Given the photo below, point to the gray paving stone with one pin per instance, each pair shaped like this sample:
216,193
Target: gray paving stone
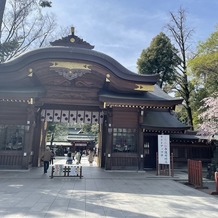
101,194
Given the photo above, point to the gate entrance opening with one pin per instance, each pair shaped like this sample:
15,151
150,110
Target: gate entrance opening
73,130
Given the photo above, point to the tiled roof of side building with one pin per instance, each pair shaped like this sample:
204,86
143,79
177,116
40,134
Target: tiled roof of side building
162,120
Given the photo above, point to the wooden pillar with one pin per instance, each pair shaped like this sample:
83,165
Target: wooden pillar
29,130
99,154
37,140
140,141
109,136
141,149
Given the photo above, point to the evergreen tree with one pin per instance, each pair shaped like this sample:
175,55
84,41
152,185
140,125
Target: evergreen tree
160,58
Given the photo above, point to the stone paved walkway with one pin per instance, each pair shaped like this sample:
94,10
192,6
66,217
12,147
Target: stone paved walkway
101,193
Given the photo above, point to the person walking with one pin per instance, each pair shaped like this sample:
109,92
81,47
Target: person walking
69,157
52,157
78,157
46,157
73,149
91,156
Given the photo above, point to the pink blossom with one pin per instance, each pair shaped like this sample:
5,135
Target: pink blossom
209,116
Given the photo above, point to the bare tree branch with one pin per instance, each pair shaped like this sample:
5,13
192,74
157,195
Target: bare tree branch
24,27
181,35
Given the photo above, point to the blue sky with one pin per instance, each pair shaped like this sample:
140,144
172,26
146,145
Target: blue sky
123,28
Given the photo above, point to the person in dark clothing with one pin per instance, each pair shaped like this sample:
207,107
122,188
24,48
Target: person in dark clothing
69,157
81,154
52,158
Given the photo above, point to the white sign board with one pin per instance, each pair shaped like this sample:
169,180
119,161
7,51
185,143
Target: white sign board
163,149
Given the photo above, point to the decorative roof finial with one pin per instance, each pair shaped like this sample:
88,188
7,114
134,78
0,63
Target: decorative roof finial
72,31
72,41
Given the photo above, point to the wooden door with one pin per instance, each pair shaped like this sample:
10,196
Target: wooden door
150,150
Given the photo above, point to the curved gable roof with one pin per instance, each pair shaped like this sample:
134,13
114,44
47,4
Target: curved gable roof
73,54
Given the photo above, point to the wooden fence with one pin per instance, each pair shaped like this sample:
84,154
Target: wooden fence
216,180
195,176
11,160
216,183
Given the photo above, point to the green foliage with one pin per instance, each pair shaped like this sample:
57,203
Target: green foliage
204,72
182,110
181,113
90,128
204,65
44,4
7,48
160,58
86,128
60,130
51,127
196,103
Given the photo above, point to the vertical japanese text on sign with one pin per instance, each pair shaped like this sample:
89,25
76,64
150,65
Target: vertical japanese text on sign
163,149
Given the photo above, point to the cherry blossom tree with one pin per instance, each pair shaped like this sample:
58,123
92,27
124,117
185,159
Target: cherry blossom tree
209,115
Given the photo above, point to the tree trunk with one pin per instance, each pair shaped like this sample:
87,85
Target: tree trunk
181,34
